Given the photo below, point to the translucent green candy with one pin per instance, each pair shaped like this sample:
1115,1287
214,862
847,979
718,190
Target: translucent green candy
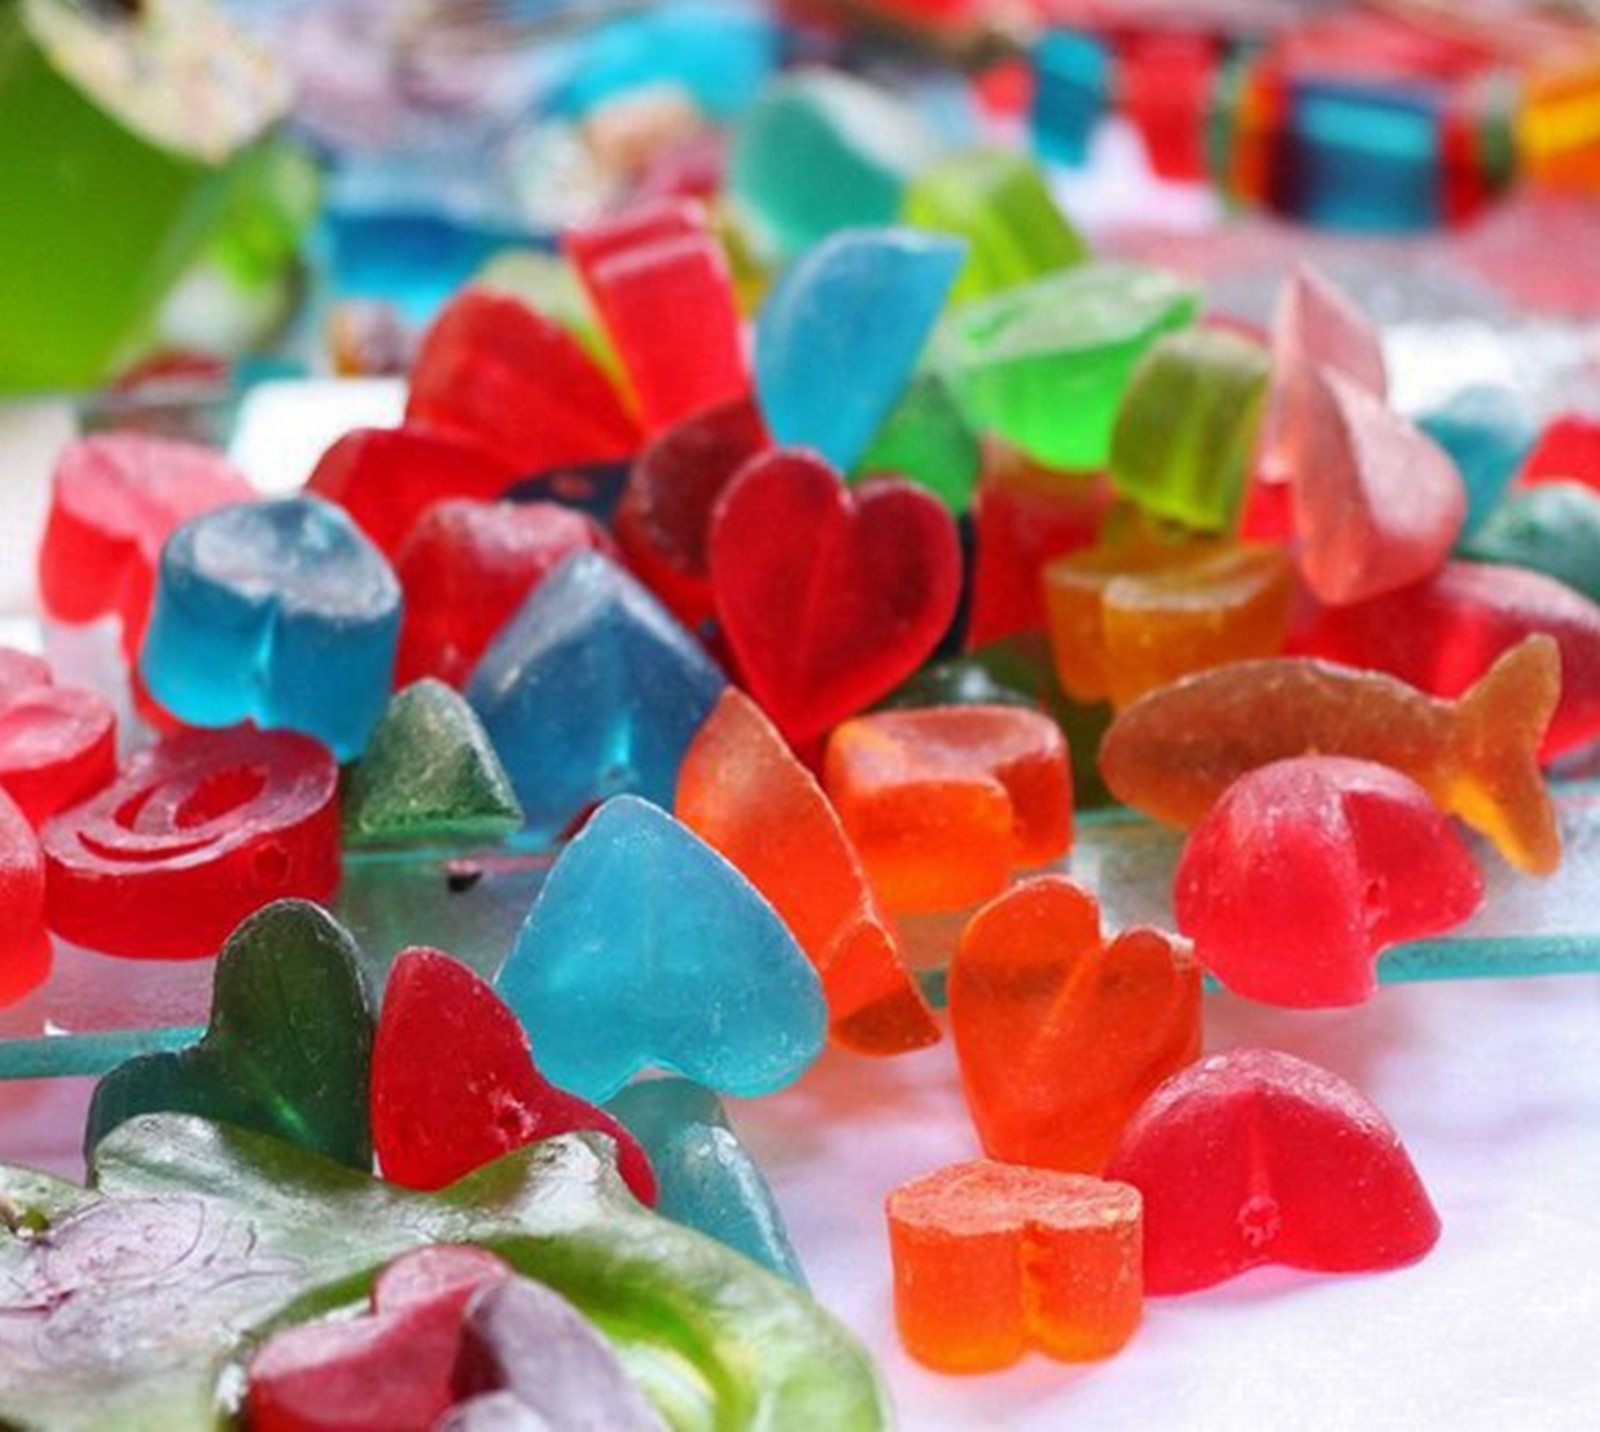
999,203
429,774
1044,365
1552,527
822,152
927,440
1182,444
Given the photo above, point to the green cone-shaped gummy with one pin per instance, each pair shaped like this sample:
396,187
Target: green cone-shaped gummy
429,774
927,440
288,1050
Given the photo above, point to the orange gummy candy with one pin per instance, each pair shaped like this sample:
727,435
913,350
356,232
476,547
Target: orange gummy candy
991,1259
1062,1034
742,791
944,803
1137,612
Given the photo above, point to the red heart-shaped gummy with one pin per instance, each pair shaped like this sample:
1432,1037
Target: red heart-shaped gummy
828,596
58,744
454,1085
1254,1157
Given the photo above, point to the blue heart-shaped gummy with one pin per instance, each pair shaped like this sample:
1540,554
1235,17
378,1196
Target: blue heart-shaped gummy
647,949
591,690
838,338
281,613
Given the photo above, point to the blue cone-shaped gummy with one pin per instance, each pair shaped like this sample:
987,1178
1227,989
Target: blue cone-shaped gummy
646,949
838,339
705,1179
279,612
591,690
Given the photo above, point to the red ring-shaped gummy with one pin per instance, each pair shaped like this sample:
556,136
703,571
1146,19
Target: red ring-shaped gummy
197,832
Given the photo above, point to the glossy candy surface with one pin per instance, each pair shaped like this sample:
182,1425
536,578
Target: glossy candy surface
1254,1157
829,596
1549,527
1175,752
1308,869
644,932
991,1260
705,1177
280,613
945,803
839,335
454,1086
744,793
288,1050
926,440
591,689
195,833
58,744
26,959
1062,1031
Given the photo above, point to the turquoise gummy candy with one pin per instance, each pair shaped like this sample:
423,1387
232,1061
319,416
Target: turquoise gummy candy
1488,432
926,439
591,690
647,949
1550,527
705,1178
820,152
1044,366
839,336
1072,90
281,613
429,773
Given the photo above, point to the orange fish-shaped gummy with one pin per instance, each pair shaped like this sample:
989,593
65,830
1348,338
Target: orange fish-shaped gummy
1061,1033
1173,753
741,790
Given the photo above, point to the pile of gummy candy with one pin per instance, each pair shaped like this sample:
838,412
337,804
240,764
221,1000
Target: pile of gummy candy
775,637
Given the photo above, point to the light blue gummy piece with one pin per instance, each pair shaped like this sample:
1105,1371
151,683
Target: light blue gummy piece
591,690
838,338
1072,91
646,949
1489,432
281,613
705,1178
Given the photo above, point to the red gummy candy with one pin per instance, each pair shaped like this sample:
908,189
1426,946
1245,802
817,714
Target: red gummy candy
57,744
1166,83
1307,869
1568,450
196,832
25,947
829,596
116,498
663,522
467,566
1254,1157
386,478
454,1085
1442,635
660,283
494,373
391,1371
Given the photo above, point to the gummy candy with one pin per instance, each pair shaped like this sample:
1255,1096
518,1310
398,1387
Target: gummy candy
1044,365
707,1180
1072,73
1062,1032
645,932
839,335
1173,754
591,689
195,833
663,521
1254,1157
115,498
454,1087
387,478
944,803
494,373
1443,634
1549,527
1165,86
1568,450
829,596
1308,869
287,1052
991,1260
926,440
491,1412
743,793
1487,434
464,570
276,612
429,773
26,961
58,745
524,1338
